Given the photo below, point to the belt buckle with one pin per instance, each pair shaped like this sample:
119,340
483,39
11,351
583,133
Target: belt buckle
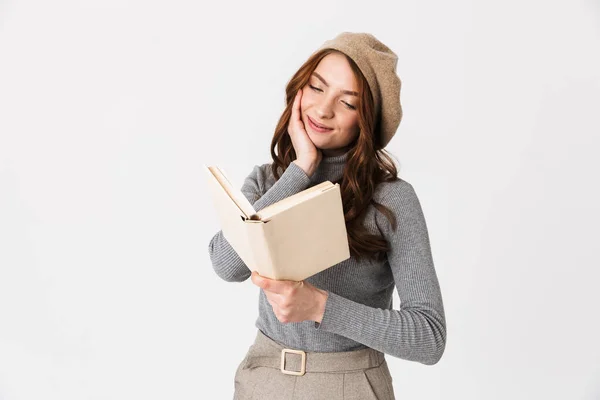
302,367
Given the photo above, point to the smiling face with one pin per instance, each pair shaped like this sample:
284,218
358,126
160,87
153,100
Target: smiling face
330,100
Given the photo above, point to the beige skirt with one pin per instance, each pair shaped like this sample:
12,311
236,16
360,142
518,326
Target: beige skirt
272,371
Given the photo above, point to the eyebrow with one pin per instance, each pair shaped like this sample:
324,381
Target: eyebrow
350,92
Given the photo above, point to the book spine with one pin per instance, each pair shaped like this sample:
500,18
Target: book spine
260,248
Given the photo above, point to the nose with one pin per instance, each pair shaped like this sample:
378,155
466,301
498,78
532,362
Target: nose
325,108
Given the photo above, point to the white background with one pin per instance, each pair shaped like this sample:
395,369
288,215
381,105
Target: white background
109,109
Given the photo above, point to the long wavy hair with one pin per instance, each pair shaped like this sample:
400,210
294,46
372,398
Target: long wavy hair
367,164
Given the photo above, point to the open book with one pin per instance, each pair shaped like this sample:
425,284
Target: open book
291,239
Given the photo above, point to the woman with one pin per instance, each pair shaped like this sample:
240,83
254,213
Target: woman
325,337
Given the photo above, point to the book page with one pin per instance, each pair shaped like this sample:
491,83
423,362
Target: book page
236,195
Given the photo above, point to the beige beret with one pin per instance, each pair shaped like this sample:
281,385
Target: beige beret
378,64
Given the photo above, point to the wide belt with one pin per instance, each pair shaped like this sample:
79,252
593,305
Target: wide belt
265,352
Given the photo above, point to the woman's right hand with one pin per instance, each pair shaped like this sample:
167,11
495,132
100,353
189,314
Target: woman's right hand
308,156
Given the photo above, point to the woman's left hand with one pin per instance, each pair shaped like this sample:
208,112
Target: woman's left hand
292,301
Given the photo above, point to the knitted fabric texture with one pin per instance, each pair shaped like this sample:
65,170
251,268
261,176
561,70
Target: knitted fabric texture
359,312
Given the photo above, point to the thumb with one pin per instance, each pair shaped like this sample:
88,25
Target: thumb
271,285
258,280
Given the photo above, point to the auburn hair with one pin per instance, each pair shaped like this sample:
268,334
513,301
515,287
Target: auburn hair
367,164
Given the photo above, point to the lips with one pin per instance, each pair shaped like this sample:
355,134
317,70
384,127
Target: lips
317,125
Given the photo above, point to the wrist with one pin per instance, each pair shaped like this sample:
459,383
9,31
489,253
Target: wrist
307,166
322,296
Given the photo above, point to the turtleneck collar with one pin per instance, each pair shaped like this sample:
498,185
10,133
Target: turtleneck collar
330,168
340,159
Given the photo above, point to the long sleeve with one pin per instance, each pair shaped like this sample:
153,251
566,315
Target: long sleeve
417,331
226,262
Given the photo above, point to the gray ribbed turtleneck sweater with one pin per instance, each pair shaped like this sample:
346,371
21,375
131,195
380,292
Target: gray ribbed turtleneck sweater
358,311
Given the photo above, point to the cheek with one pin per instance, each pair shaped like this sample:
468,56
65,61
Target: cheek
306,101
309,97
351,124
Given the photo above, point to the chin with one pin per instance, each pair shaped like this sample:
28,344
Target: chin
314,137
318,141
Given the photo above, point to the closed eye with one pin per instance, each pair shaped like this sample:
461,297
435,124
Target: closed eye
316,89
